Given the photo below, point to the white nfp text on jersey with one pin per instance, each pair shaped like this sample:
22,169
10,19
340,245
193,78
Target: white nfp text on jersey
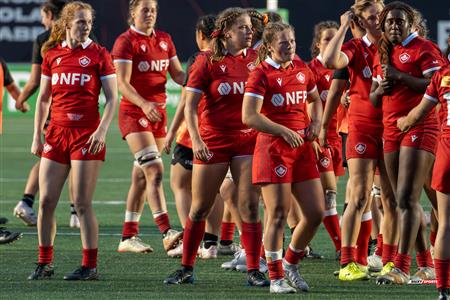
237,87
290,98
159,65
70,78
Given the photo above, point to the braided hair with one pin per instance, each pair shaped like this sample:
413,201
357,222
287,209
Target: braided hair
206,25
385,46
318,29
257,23
224,22
268,37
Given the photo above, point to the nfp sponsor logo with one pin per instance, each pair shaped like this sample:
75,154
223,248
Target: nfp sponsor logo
70,79
290,98
236,88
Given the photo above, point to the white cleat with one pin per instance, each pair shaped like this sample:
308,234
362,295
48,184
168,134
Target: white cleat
134,244
239,259
262,266
209,253
280,286
172,239
26,213
375,263
425,273
228,249
74,221
292,274
177,251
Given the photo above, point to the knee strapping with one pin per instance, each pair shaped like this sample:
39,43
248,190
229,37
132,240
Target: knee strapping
330,199
147,156
376,191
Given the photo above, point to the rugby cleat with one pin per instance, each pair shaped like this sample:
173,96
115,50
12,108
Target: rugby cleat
444,294
395,276
228,249
425,273
82,273
209,253
292,273
280,286
26,213
180,276
310,253
74,221
239,259
7,237
375,263
257,278
352,272
42,271
171,239
262,266
177,251
134,244
386,269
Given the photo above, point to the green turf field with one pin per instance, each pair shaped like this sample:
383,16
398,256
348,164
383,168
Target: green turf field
138,276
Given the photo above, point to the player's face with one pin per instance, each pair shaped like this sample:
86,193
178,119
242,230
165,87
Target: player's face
81,25
240,34
396,26
46,19
369,19
144,15
282,49
325,38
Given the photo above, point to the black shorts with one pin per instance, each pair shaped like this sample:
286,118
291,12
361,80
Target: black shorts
182,155
344,147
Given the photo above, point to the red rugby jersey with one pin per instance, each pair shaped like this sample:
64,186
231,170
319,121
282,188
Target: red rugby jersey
284,91
439,91
417,57
323,78
150,57
76,76
222,84
362,115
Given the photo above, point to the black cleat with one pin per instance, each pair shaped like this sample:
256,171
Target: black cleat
371,247
257,278
3,220
43,271
7,237
310,253
82,273
444,294
180,276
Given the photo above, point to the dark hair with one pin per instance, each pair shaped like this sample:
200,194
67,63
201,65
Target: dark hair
54,7
271,16
384,45
268,37
318,29
132,6
257,23
206,25
224,21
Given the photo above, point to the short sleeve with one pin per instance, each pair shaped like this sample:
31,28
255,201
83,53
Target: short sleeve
430,59
7,77
122,50
46,71
199,74
311,84
172,50
189,63
349,49
342,74
377,72
106,67
256,84
432,93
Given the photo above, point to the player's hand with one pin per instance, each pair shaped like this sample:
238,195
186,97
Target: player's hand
317,149
292,138
96,141
168,141
37,146
150,109
345,99
385,87
391,73
323,138
313,130
22,106
402,124
201,151
346,18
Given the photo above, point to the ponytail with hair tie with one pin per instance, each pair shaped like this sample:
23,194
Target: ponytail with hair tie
266,19
216,33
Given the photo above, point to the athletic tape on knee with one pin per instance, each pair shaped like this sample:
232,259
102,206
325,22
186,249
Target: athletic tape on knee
376,191
132,216
136,164
274,255
366,217
147,156
330,199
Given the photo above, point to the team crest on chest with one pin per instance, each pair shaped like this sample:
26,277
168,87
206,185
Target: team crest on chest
404,57
58,61
84,61
280,81
300,77
223,68
164,45
280,170
251,66
143,48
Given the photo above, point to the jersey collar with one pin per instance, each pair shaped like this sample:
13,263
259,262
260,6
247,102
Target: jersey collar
410,37
274,64
244,52
257,44
320,58
83,45
141,32
366,40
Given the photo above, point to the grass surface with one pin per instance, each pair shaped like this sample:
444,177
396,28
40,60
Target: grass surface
139,276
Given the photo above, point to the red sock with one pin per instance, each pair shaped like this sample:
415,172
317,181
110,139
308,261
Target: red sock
432,237
227,232
89,258
251,239
193,234
45,254
130,229
363,242
389,253
424,259
442,273
275,269
294,257
163,222
403,262
262,252
347,255
379,249
334,231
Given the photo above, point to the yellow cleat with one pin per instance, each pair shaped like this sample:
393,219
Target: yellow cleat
352,272
386,269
